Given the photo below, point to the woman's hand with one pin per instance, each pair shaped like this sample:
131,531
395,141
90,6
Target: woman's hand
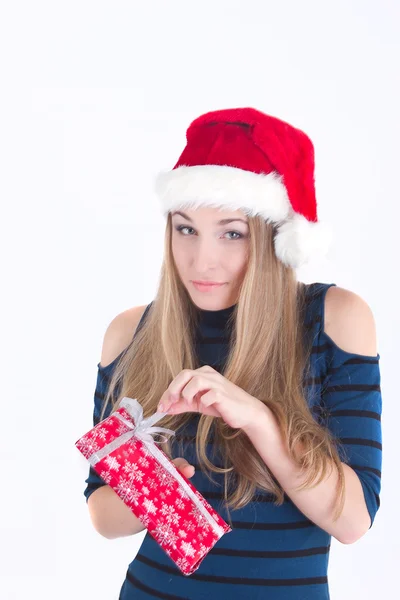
206,391
183,466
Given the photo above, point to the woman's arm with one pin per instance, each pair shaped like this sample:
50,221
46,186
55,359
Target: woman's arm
110,516
357,421
316,503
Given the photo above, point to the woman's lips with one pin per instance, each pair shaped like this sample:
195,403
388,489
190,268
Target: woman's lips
206,287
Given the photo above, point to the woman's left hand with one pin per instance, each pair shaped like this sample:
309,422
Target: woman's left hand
206,391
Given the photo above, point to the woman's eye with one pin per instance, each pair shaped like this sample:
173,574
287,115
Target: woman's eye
236,233
180,228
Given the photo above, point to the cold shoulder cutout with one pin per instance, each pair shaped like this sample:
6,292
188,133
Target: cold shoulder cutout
327,338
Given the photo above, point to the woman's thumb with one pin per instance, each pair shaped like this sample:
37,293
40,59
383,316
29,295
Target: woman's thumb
184,466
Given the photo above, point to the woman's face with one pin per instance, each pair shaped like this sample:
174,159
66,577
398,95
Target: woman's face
206,249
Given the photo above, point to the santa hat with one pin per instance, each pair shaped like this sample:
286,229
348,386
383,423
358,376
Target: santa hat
242,158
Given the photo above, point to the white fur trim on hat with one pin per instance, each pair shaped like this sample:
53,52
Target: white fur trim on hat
299,240
230,188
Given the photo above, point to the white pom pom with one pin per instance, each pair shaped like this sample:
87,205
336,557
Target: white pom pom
299,240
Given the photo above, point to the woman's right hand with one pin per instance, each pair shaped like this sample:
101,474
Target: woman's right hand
184,467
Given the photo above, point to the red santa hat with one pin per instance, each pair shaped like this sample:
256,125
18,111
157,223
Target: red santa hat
242,158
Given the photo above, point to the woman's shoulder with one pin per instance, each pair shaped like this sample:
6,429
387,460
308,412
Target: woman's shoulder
340,322
349,322
344,320
119,335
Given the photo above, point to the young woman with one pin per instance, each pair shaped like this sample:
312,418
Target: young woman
272,385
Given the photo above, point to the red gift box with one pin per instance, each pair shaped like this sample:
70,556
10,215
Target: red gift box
124,454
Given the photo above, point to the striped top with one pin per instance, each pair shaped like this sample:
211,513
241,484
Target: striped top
273,552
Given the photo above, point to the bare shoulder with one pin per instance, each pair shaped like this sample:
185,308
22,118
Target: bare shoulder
119,333
349,321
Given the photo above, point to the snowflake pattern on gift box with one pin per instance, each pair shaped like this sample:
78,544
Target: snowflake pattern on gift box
152,483
134,471
203,549
183,564
199,517
164,478
127,492
182,493
165,534
143,462
106,476
101,433
131,448
122,428
166,493
182,533
187,549
145,519
180,504
170,513
112,463
189,525
89,446
150,507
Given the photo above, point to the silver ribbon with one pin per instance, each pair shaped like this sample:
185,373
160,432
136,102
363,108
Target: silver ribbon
144,430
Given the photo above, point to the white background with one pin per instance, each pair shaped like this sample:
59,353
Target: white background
95,100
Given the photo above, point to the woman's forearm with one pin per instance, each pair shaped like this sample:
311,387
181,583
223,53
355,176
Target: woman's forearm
317,503
110,516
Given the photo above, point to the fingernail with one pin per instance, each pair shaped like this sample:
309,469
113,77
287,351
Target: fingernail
160,407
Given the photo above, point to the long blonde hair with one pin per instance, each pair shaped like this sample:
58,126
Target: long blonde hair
268,357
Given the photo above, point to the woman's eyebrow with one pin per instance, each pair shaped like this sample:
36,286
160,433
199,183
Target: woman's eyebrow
221,222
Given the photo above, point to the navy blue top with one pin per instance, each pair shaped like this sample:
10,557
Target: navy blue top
273,552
